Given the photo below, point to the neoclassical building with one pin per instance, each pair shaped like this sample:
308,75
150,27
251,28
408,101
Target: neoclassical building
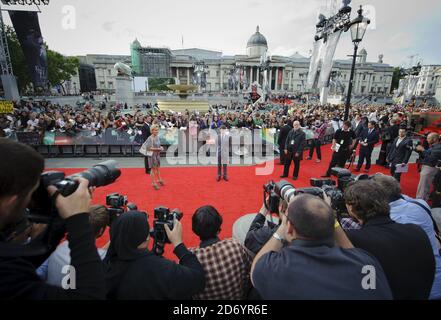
215,72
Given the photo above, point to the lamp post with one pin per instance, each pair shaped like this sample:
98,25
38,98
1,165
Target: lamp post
358,29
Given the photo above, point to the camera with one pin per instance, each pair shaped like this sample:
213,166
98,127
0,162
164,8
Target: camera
274,191
117,205
42,209
163,216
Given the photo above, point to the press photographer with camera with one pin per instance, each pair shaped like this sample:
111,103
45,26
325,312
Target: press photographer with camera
20,171
404,209
403,250
261,230
429,162
51,270
135,273
312,266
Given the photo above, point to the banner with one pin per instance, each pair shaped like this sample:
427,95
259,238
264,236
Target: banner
6,107
28,32
314,64
327,59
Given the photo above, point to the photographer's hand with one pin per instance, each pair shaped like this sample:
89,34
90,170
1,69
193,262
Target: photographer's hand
175,235
76,203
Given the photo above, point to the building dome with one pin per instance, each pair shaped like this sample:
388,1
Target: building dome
257,44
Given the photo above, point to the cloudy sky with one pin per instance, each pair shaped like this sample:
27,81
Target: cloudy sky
400,28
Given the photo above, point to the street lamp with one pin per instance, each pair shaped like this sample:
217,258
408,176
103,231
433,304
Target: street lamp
358,28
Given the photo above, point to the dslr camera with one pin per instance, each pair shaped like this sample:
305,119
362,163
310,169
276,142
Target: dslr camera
117,205
163,216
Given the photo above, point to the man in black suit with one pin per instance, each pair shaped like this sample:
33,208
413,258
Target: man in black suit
403,250
368,139
294,146
145,132
400,152
283,134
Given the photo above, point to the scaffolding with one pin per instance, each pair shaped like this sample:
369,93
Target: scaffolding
154,62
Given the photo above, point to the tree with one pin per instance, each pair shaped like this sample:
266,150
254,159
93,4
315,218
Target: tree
160,84
19,65
397,76
60,68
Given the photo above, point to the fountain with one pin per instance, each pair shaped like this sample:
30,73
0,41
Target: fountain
183,103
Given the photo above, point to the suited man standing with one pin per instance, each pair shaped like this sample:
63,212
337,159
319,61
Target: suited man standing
223,153
145,133
368,139
294,146
400,152
357,125
281,141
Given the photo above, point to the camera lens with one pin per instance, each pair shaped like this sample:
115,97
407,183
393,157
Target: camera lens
102,174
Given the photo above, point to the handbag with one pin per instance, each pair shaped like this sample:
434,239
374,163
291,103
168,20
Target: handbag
143,150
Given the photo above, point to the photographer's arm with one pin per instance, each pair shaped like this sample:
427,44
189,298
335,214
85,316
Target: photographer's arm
189,276
87,277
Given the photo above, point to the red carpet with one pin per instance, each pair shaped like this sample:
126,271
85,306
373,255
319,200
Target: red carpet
192,187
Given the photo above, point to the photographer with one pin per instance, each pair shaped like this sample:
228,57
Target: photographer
51,270
20,171
430,158
259,233
404,209
226,263
135,273
410,277
312,266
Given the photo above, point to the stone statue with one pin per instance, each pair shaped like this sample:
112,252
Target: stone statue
123,70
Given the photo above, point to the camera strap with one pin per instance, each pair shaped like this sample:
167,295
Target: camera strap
435,225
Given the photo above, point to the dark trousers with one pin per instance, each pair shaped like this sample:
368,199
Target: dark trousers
289,158
219,168
316,144
383,154
393,173
365,154
338,160
282,154
146,165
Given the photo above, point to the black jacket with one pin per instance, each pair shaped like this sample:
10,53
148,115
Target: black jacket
283,134
145,131
432,155
259,233
298,138
152,277
405,253
371,139
402,153
18,279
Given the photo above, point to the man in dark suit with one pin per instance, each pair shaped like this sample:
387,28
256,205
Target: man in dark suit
294,146
145,132
368,139
400,152
403,250
283,134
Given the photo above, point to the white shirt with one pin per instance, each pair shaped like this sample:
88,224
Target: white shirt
399,141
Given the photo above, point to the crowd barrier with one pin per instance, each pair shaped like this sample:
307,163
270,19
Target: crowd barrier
116,143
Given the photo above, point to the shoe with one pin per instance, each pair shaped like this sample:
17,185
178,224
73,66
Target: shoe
283,177
161,182
295,178
357,170
155,186
218,179
365,170
225,178
318,161
309,158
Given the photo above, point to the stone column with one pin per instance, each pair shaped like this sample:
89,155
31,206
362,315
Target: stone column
277,80
283,80
251,75
177,75
290,81
221,78
270,78
188,76
258,75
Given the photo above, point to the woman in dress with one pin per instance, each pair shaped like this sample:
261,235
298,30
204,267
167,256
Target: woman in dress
153,145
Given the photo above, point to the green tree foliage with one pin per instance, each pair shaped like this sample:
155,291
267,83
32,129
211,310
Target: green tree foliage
60,68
